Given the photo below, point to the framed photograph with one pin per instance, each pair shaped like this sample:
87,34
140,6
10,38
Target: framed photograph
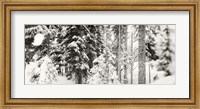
100,53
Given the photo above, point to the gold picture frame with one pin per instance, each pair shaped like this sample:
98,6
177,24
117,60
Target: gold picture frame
154,5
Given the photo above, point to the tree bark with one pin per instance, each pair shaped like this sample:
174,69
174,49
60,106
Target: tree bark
149,73
141,56
118,54
106,57
79,77
79,80
132,57
125,49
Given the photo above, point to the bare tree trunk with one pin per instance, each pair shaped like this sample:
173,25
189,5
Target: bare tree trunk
125,49
106,61
141,56
149,73
132,57
80,77
118,54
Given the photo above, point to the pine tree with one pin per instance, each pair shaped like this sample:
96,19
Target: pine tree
37,47
94,45
166,54
82,46
75,55
104,70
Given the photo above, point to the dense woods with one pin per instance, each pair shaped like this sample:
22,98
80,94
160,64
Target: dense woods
99,54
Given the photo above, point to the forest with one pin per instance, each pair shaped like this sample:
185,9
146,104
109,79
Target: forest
100,54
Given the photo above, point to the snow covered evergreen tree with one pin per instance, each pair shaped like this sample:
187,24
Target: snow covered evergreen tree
167,53
98,54
104,71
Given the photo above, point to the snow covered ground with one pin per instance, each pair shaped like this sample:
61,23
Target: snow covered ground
62,80
151,72
166,80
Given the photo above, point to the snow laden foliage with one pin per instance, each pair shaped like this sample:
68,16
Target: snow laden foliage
72,48
104,71
81,47
161,47
99,54
41,72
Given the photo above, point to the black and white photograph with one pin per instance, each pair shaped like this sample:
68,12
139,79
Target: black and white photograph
118,54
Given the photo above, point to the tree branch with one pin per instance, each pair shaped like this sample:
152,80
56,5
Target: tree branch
87,30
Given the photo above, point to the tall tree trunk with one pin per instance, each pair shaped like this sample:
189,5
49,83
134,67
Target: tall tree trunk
125,49
132,58
118,54
106,58
141,56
